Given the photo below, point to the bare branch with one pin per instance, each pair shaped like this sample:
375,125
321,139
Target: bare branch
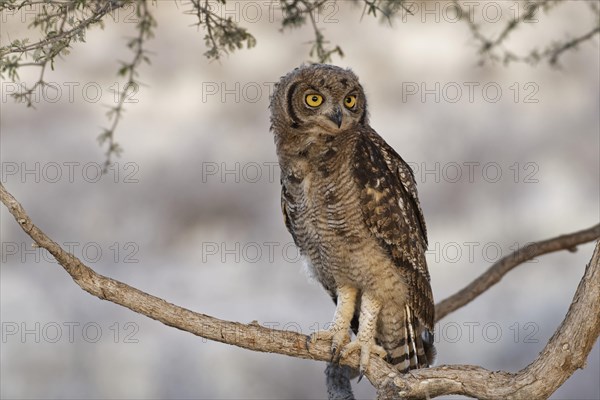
251,336
500,268
565,352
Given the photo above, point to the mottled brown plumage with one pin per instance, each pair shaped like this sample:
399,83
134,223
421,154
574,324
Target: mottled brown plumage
350,203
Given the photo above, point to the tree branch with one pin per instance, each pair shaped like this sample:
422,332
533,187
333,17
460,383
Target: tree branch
250,336
492,49
145,27
500,268
556,52
565,352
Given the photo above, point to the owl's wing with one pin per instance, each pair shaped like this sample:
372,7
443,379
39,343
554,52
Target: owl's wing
393,214
285,202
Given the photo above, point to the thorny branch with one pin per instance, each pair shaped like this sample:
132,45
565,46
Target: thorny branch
323,55
566,351
145,25
65,22
493,49
52,20
223,35
57,41
555,51
295,14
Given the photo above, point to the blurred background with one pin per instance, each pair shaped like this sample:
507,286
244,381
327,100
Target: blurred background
190,212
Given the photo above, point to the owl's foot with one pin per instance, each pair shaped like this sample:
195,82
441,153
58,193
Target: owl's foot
339,338
365,339
339,331
366,347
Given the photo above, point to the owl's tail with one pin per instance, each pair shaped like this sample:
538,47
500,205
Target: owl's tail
414,348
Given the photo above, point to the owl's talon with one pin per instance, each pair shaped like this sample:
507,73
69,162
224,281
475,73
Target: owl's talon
366,348
336,353
360,375
338,337
333,353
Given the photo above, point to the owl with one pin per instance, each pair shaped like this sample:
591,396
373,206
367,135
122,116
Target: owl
350,203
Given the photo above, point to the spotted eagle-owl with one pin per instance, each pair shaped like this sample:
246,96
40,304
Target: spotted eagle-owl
350,202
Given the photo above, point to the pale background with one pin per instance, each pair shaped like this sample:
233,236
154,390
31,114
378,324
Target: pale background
203,241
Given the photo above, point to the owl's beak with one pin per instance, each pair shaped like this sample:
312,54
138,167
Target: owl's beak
336,116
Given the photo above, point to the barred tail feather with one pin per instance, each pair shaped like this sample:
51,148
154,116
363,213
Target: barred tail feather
415,347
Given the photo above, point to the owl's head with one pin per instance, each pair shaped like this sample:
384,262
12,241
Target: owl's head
320,96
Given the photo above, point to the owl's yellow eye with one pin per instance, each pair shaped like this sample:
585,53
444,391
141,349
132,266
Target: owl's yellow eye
314,100
350,101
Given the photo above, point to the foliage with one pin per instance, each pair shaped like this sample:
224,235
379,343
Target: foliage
222,34
63,23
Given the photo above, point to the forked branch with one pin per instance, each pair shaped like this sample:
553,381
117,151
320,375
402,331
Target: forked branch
566,351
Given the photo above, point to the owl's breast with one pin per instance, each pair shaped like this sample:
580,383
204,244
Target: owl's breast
322,202
324,195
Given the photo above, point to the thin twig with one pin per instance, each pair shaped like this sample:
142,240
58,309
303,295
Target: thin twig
500,268
130,70
493,50
571,44
56,42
